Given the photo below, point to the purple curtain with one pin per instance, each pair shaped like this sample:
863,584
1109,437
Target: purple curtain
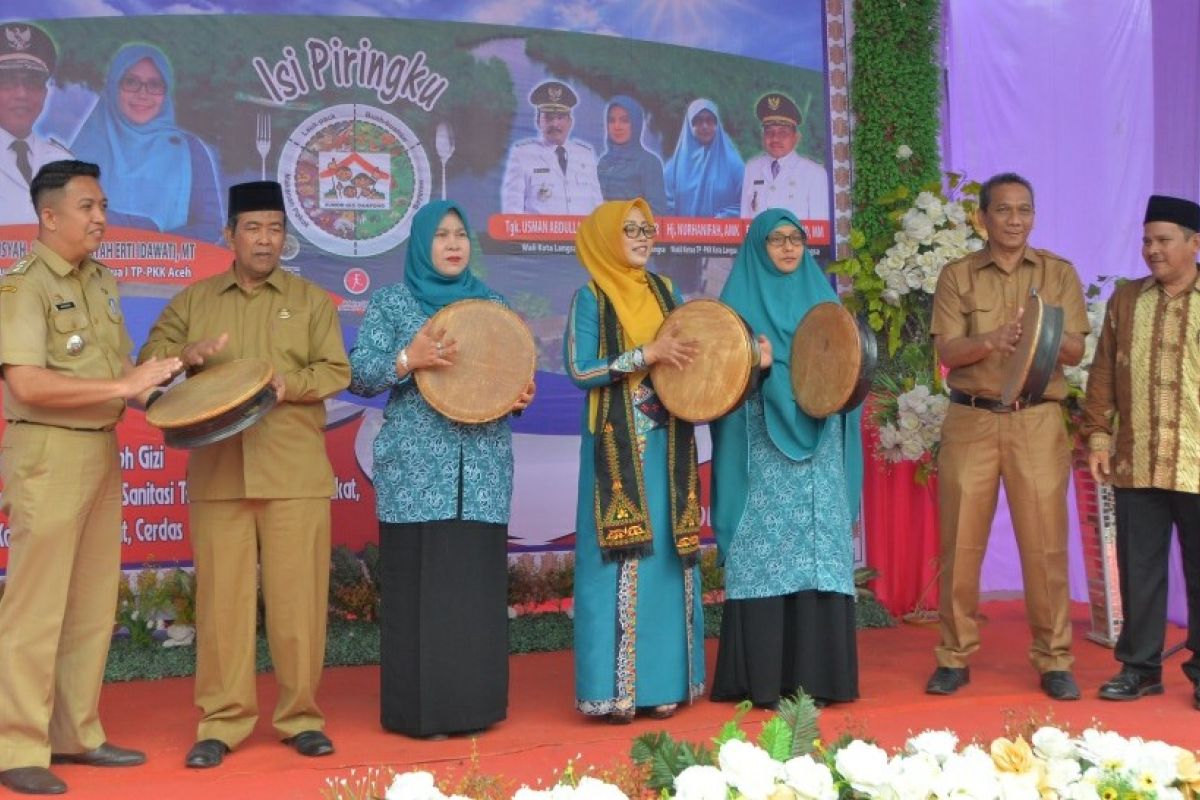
1098,105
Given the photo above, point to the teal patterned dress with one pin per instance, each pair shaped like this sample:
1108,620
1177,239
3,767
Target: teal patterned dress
442,492
785,494
639,624
794,534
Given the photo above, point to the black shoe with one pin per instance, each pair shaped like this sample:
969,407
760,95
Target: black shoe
1059,685
310,743
948,680
206,753
32,780
1130,685
106,755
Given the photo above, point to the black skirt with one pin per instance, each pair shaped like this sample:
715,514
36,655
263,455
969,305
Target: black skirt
443,626
771,647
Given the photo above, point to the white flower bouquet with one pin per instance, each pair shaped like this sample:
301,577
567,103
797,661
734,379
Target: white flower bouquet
788,761
1098,765
910,426
893,275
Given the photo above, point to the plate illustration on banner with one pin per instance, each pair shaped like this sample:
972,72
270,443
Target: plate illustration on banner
291,247
353,176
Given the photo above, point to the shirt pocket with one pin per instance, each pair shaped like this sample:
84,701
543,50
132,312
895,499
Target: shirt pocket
981,313
68,327
113,309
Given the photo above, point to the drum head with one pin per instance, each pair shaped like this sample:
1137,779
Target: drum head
496,361
718,378
1030,367
214,404
833,359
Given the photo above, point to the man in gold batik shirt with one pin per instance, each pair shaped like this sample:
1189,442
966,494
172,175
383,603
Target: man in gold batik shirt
976,325
1144,386
261,496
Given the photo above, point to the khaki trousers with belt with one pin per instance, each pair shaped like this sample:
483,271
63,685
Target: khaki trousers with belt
1029,450
62,494
230,539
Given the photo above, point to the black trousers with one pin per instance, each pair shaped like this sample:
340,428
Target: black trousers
1145,519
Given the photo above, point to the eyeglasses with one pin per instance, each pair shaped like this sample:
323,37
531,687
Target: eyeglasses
644,231
794,239
134,85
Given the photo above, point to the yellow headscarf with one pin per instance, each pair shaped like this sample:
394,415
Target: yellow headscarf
600,248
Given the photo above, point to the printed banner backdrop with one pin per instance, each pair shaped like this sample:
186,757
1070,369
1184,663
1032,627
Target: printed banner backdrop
364,120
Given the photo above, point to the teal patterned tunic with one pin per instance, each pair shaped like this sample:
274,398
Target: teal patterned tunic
795,530
639,624
421,457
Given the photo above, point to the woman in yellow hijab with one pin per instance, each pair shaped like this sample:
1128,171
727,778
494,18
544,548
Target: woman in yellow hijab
639,627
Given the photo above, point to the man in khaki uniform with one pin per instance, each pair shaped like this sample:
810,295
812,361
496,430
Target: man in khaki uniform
262,496
67,377
977,310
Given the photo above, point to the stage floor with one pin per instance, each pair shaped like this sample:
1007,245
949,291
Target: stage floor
543,731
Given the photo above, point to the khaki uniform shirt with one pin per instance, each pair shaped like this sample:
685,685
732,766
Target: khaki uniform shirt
975,296
64,319
292,323
1150,341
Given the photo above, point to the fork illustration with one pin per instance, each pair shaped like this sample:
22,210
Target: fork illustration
262,140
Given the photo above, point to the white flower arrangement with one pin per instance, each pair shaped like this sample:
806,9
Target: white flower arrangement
1097,765
933,232
789,762
912,429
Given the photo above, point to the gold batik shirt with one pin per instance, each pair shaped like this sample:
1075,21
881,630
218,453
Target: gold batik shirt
1144,388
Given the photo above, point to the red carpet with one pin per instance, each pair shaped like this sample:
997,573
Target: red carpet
543,732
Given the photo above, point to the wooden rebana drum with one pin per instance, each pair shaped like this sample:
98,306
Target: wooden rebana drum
719,377
215,404
833,360
1029,369
496,361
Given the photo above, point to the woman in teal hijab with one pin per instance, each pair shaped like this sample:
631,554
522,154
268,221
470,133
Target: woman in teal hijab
784,527
442,493
153,169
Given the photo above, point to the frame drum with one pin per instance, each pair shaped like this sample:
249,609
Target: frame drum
719,377
833,360
214,404
496,361
1030,367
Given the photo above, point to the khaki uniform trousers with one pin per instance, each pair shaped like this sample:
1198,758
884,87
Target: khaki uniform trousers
1030,451
62,494
290,539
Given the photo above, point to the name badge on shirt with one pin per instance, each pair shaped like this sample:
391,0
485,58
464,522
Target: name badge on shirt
539,170
758,182
65,305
